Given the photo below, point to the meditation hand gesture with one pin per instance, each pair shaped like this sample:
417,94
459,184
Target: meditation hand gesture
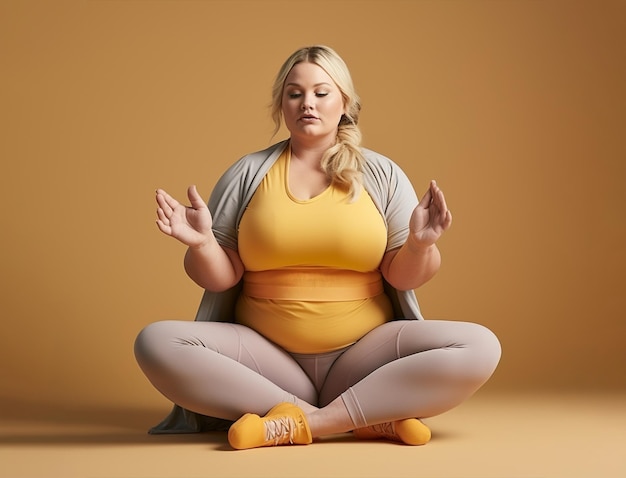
430,218
190,225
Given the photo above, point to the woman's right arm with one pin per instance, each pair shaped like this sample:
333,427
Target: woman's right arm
207,263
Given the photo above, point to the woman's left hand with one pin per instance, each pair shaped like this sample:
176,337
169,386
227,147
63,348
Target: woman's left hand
430,218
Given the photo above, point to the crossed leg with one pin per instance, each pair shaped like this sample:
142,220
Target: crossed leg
403,369
220,369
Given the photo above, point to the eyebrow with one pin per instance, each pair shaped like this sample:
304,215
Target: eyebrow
317,84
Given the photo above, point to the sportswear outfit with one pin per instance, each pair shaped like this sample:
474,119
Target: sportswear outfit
312,318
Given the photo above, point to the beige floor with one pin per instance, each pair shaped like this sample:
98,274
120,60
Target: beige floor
499,436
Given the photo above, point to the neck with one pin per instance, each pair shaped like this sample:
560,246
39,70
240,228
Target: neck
304,150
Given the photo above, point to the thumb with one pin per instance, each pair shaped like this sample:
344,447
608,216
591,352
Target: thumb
194,198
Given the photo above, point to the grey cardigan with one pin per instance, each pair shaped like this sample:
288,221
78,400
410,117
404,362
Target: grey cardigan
388,187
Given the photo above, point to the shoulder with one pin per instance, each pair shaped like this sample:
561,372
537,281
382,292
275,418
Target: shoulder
380,167
256,159
248,168
375,157
269,153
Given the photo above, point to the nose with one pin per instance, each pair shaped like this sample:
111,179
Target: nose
307,102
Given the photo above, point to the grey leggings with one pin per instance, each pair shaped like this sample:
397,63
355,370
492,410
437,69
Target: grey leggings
399,370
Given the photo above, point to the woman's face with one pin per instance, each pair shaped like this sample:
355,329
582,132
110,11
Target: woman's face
312,102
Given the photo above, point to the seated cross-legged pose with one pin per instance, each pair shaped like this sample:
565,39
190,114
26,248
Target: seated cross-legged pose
309,253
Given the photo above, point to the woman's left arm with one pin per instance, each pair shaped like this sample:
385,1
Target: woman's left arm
417,261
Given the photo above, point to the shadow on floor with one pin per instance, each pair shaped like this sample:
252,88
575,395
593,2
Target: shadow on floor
24,423
40,423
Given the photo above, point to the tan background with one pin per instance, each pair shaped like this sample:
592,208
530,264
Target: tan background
517,108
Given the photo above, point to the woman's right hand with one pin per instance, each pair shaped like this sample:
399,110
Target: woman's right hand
191,225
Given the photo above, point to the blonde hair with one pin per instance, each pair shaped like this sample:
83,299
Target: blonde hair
343,162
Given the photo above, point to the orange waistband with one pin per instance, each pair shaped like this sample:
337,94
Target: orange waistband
313,284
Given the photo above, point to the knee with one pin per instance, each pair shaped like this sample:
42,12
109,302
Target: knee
490,342
486,349
150,341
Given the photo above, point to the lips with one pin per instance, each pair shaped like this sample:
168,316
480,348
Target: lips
308,118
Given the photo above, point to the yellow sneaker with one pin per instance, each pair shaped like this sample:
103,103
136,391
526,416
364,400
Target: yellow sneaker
410,432
285,424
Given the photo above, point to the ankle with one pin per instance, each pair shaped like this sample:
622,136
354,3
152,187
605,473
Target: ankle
329,421
306,407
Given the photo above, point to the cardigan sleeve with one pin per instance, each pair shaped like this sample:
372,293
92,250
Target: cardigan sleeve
395,198
393,194
224,203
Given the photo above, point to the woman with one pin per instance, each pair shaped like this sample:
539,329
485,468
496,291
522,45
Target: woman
320,244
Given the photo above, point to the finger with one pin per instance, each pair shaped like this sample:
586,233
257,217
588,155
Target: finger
428,196
164,211
194,198
446,220
166,202
161,216
434,188
163,227
438,197
164,195
441,201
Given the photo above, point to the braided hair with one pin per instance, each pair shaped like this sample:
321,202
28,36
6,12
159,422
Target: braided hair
343,162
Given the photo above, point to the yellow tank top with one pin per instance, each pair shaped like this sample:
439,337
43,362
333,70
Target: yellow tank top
312,283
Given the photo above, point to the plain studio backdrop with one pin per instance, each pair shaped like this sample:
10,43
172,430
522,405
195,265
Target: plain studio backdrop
516,108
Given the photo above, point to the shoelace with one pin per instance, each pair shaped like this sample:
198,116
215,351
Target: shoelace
386,430
279,430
